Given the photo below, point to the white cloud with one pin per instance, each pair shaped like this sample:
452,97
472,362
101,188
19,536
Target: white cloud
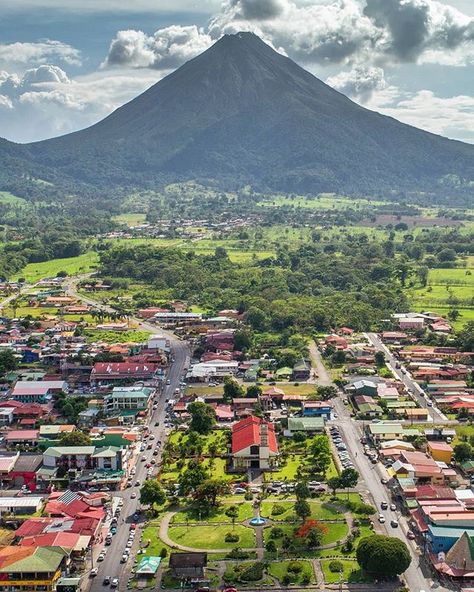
452,117
18,55
52,104
167,48
360,82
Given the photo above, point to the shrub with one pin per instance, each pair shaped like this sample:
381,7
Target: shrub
248,496
295,567
305,578
276,532
252,572
163,552
336,566
278,510
286,579
231,537
237,553
271,546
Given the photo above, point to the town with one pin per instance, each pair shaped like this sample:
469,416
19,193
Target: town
150,450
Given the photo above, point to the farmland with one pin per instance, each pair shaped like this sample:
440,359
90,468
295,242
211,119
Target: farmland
84,263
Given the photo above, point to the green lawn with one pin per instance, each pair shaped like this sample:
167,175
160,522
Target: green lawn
351,573
335,531
279,569
217,515
117,336
216,468
319,511
84,263
217,437
212,537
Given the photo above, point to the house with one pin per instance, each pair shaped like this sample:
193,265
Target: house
160,342
188,566
23,438
317,409
445,434
367,406
212,370
301,371
24,471
440,451
308,425
383,431
411,322
416,414
365,387
27,504
37,391
419,467
254,444
22,567
55,431
106,372
132,397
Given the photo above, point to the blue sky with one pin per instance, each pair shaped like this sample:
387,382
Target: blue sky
65,64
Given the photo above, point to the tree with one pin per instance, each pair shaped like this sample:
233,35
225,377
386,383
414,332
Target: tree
8,361
76,438
151,493
232,389
466,337
210,489
334,483
302,490
379,358
254,391
462,452
192,477
320,454
325,393
383,555
203,417
242,340
302,509
233,513
349,478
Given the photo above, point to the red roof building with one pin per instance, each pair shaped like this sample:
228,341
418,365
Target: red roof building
254,444
122,371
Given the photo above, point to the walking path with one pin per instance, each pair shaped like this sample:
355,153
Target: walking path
260,542
317,363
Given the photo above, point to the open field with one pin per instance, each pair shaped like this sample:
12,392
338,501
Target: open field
212,537
8,198
130,219
351,573
84,263
323,201
448,289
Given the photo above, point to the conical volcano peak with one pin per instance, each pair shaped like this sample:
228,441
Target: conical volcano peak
241,113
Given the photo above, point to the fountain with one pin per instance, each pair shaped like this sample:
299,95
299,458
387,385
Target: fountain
257,520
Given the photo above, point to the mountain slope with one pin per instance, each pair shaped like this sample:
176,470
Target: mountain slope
241,113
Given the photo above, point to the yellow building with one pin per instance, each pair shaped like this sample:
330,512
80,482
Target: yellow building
27,568
440,451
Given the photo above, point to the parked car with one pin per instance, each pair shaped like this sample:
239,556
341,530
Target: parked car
381,518
114,583
394,523
384,505
93,572
411,535
106,581
393,507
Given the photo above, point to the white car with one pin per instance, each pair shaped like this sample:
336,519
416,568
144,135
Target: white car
381,518
134,495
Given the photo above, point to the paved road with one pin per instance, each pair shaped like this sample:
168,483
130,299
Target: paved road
180,353
372,487
402,374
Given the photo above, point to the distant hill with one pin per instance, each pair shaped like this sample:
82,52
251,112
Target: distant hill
240,113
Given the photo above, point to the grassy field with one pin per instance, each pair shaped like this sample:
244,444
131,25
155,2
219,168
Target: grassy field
217,515
217,437
216,468
351,573
34,272
8,198
335,531
130,219
212,537
448,289
319,511
323,201
278,569
117,336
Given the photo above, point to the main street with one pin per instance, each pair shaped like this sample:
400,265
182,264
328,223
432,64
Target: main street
404,376
370,483
180,354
